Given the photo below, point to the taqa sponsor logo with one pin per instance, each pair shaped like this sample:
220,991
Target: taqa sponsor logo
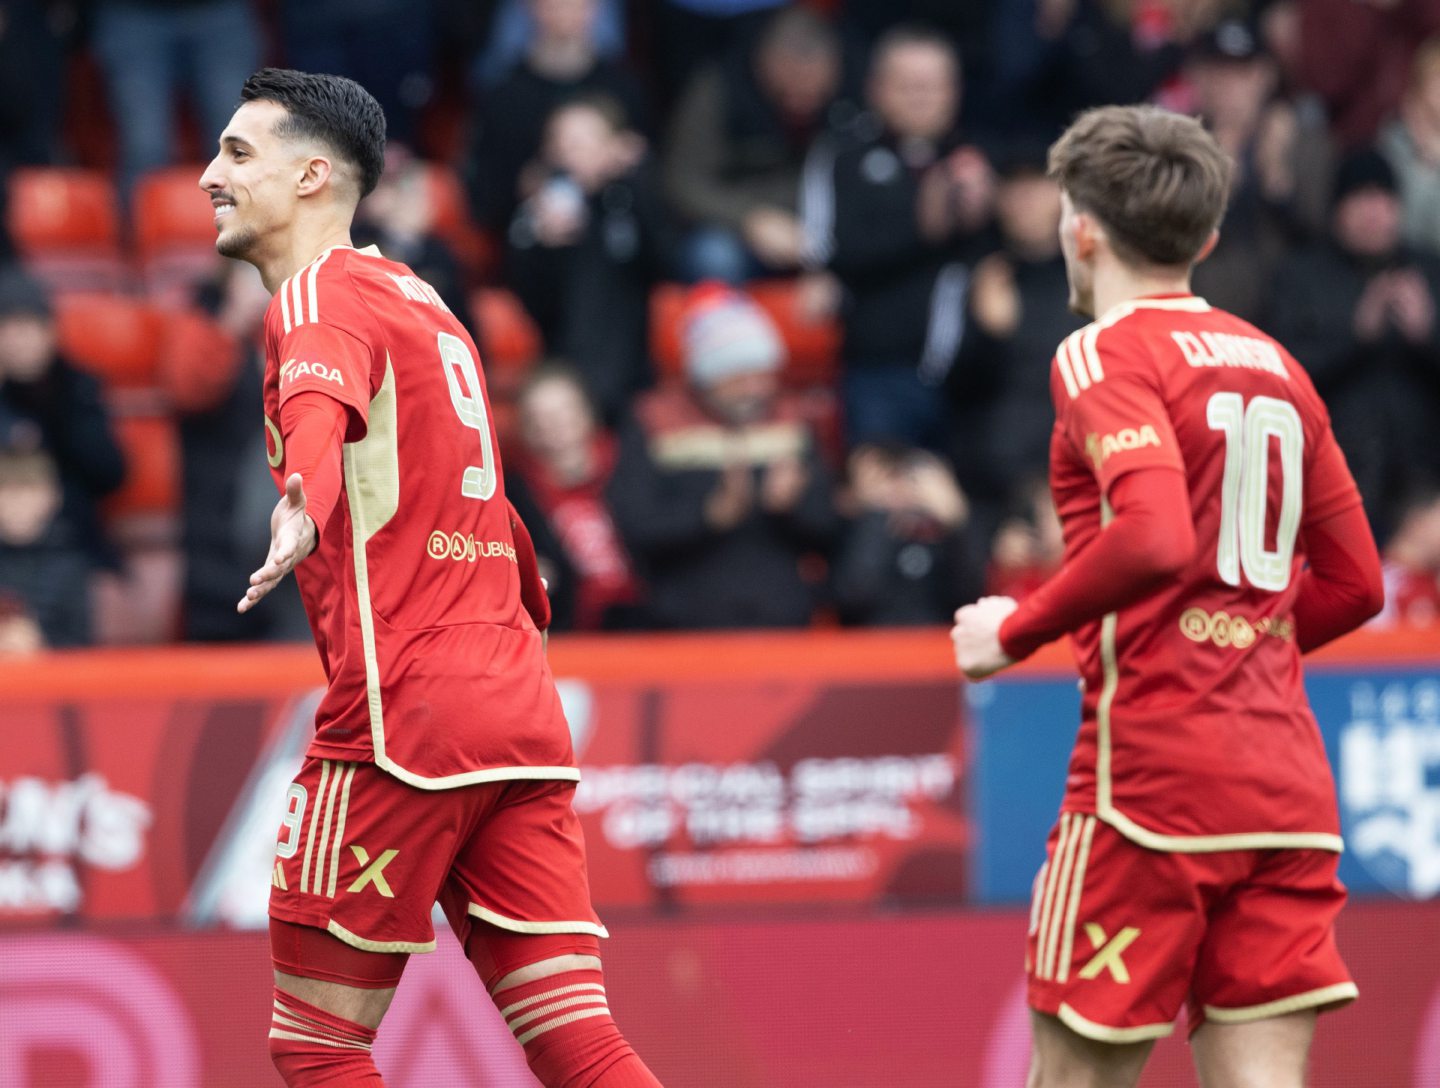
294,369
47,827
464,548
1390,783
1099,448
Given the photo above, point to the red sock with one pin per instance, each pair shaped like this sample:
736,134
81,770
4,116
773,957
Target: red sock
312,1047
570,1041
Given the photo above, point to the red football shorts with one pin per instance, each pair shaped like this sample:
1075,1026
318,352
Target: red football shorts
1121,936
366,857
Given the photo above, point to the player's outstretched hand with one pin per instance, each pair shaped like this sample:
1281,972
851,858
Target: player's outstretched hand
292,538
976,636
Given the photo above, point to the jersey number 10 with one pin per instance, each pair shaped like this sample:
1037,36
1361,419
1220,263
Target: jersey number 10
1245,489
469,401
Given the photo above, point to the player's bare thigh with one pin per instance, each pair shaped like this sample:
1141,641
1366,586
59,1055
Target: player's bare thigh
1061,1058
1267,1053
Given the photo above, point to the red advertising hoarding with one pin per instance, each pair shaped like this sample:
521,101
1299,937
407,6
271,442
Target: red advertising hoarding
930,1000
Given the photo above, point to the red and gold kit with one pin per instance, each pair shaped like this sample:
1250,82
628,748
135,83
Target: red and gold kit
1196,733
436,673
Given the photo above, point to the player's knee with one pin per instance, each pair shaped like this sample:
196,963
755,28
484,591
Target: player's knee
563,1022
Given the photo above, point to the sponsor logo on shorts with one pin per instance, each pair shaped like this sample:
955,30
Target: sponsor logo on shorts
292,370
1109,952
1224,630
464,548
1101,447
372,872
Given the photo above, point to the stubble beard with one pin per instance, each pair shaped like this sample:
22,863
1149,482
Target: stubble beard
236,244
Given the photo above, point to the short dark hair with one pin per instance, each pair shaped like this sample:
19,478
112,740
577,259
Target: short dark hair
335,110
1157,180
913,33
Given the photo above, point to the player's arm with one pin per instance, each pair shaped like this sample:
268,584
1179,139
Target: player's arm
1149,541
312,426
1119,423
1342,586
534,594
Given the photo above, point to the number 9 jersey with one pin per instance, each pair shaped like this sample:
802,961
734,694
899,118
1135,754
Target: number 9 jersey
436,672
1196,734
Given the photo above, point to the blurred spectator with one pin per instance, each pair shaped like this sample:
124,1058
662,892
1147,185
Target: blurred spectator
1282,155
1028,546
1359,312
47,402
151,48
1412,565
566,460
909,554
509,119
1356,55
1054,58
689,34
387,46
227,492
899,201
737,147
44,572
34,37
398,217
585,248
1412,144
720,490
513,31
1016,320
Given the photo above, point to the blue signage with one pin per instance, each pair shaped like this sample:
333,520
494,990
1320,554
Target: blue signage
1382,734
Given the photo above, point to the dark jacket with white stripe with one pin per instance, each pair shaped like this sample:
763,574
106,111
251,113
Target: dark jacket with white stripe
904,296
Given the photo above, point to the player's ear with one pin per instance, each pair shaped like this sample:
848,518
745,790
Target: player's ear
1209,246
315,172
1088,233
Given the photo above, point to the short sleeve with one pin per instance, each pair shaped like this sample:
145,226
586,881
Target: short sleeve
1329,487
322,358
1111,410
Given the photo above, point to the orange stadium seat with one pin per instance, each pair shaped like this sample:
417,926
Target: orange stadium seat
174,233
473,247
813,346
151,443
66,226
509,341
114,337
198,360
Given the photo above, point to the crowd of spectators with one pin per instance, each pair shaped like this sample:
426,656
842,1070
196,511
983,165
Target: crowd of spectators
885,159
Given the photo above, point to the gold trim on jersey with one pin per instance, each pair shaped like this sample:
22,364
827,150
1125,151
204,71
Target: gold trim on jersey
515,925
372,485
335,929
1078,357
1143,836
1328,995
1101,1033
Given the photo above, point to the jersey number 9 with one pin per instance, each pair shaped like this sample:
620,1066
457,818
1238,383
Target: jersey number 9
469,401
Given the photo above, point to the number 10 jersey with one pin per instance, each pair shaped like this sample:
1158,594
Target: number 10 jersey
1196,734
435,672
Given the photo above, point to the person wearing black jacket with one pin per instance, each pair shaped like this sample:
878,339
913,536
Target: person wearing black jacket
1359,311
585,249
719,491
892,225
47,402
508,118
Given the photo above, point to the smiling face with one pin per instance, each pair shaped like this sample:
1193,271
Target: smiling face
254,182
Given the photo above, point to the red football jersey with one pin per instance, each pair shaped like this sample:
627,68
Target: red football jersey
436,672
1196,733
